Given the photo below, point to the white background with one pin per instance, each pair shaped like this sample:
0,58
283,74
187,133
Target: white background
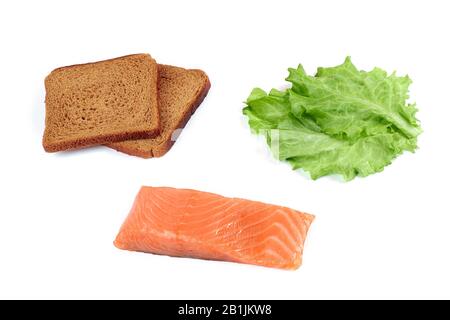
385,236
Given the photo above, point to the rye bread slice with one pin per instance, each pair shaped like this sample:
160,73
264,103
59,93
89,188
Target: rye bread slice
101,102
180,92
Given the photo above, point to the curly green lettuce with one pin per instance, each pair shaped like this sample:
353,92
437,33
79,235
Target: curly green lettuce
340,121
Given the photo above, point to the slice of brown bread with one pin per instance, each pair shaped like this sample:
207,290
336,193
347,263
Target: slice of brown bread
101,102
180,92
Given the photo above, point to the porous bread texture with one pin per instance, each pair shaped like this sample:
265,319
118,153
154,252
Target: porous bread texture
180,92
101,102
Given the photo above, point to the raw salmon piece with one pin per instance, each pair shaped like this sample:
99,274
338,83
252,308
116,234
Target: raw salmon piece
190,223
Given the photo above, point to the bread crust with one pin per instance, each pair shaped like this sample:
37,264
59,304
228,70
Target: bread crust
95,62
81,143
165,146
100,139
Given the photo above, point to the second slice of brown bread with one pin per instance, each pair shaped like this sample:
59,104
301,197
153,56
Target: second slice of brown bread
180,92
101,102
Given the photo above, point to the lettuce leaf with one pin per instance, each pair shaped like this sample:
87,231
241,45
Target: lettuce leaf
340,121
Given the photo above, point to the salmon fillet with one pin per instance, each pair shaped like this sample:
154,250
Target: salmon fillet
190,223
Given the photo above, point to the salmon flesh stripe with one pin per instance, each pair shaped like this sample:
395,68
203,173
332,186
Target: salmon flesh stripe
196,224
